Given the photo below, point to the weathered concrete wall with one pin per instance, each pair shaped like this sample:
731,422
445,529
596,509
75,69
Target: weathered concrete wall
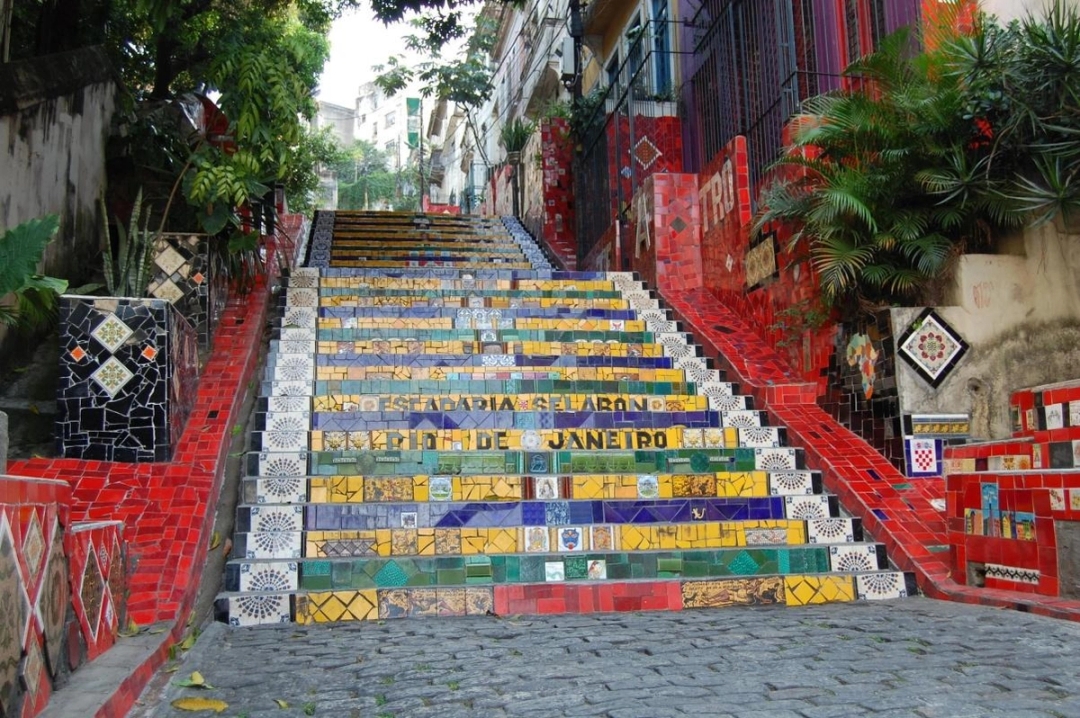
54,121
1020,313
1011,9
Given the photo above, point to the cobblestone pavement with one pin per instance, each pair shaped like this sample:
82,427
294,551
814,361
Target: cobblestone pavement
916,657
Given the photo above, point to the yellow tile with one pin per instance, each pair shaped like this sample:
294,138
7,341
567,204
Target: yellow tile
425,542
504,540
420,488
383,542
587,487
473,541
807,590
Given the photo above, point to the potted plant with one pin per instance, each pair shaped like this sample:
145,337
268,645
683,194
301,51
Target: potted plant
514,135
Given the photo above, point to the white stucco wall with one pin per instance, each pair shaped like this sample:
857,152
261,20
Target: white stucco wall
1020,313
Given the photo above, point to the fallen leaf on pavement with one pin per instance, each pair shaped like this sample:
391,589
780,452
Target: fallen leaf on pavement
199,704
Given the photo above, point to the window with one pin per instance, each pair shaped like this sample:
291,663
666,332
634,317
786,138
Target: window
391,118
863,26
391,147
613,69
661,47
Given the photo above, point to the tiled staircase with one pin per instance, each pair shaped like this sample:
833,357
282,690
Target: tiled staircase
450,427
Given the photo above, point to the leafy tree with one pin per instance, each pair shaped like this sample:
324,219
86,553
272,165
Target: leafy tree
365,180
465,79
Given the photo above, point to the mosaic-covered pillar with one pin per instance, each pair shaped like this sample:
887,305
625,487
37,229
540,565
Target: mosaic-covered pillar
127,380
190,277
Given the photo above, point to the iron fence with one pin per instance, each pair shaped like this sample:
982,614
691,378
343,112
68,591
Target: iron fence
643,85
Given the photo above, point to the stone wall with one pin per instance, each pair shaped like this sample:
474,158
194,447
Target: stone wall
54,121
1019,313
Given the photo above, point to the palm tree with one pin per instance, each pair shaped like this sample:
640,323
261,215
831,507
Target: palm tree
885,181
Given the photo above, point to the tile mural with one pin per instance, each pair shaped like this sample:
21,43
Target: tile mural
581,454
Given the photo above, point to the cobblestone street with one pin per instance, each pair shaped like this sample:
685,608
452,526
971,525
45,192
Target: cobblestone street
914,657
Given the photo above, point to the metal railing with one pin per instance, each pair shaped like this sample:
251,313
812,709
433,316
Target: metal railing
643,85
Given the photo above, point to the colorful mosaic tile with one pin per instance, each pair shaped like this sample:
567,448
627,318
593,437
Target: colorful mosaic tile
931,347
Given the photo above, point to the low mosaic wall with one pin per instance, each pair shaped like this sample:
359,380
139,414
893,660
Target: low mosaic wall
61,591
127,381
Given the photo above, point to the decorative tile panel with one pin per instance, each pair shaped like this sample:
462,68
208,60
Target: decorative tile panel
931,347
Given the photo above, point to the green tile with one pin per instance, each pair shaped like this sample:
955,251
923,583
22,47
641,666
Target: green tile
695,569
450,577
316,583
341,572
576,568
362,580
669,565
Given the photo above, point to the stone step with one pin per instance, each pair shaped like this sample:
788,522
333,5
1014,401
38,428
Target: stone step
390,321
286,481
565,595
555,373
338,261
363,315
539,383
325,516
493,300
286,435
498,336
333,366
537,404
404,461
346,572
392,287
624,280
555,419
351,552
289,434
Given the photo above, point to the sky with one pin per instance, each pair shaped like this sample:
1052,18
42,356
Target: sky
357,41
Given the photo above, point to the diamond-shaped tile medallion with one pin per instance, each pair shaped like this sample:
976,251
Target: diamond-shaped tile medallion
168,291
931,347
169,260
149,352
78,354
112,376
645,152
33,548
112,333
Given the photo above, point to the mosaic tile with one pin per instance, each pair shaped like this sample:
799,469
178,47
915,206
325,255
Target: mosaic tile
33,547
830,530
880,586
260,609
806,507
54,598
15,607
853,558
931,347
268,577
808,590
92,594
112,376
733,592
112,332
